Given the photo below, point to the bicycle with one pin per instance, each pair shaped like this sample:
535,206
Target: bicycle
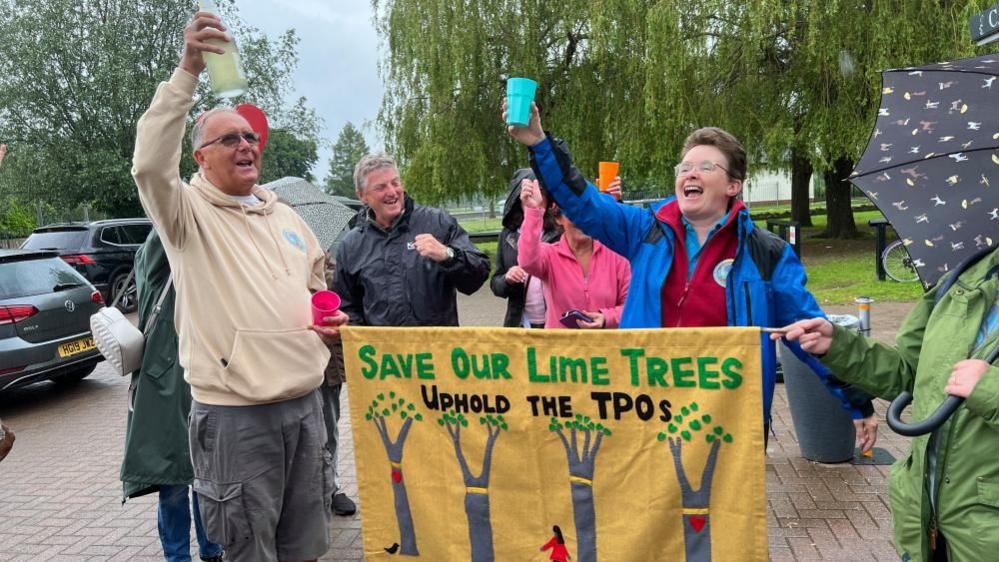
897,263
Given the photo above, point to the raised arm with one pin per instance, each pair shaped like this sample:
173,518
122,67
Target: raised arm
621,227
160,133
531,253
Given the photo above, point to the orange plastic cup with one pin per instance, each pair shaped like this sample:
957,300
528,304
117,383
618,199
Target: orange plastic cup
608,171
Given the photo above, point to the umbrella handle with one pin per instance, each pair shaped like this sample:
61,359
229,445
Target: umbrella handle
931,422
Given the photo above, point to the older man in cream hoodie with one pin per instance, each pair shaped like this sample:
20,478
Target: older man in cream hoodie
244,267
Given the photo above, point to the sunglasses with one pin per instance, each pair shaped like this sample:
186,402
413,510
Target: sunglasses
232,140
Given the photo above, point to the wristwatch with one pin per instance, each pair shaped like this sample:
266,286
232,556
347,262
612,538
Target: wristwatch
450,254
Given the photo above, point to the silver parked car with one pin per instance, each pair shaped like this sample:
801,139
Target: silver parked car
45,309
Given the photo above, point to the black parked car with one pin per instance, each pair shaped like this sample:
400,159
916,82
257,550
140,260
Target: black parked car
45,309
102,251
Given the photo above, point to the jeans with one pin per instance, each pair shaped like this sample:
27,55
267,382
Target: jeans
174,520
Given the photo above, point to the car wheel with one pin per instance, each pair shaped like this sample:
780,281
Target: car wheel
129,301
76,375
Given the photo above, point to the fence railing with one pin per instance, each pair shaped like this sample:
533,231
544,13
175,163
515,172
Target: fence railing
11,243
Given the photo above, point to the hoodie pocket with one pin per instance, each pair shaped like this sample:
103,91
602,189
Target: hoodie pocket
272,365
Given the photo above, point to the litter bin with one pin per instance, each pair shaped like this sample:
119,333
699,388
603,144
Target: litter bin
825,430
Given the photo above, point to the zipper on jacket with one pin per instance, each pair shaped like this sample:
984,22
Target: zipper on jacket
749,304
679,303
730,287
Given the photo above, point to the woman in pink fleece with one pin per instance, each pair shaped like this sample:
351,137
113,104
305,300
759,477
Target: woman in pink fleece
578,272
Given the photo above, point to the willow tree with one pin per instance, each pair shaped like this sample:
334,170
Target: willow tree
796,81
444,69
820,66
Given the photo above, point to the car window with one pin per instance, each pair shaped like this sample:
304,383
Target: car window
135,233
111,235
55,240
35,277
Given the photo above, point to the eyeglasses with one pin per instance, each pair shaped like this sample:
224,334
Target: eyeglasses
231,140
684,168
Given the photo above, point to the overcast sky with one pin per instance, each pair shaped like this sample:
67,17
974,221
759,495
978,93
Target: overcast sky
338,67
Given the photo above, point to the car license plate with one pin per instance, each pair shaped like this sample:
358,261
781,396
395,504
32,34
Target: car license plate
76,347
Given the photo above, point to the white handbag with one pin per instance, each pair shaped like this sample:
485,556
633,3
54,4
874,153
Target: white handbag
118,340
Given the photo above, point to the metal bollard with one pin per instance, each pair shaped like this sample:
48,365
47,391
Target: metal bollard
864,306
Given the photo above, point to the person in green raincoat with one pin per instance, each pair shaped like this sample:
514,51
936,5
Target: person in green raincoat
157,454
939,351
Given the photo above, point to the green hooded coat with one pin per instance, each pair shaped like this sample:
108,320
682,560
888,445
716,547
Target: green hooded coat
157,452
934,337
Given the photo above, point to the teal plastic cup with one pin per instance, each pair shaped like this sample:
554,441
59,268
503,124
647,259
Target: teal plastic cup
519,95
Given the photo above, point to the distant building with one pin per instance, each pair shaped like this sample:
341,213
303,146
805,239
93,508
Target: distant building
772,187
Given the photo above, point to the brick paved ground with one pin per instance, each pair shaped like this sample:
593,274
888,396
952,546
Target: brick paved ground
60,498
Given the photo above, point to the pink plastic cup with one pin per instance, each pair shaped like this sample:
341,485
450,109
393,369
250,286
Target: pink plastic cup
324,303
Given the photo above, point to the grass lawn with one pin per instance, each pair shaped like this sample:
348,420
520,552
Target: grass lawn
841,270
838,270
481,224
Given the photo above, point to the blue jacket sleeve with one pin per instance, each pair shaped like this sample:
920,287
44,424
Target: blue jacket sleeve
620,227
793,302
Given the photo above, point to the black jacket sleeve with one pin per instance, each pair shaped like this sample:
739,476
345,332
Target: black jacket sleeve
506,256
348,287
470,267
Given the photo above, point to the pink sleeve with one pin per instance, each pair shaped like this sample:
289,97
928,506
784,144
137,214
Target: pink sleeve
612,316
531,253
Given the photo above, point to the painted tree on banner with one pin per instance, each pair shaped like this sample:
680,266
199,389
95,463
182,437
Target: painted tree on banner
379,411
480,527
684,427
582,445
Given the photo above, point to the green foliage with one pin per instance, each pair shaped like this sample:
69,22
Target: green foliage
382,407
579,423
288,155
452,418
348,149
78,74
695,423
16,219
494,421
627,80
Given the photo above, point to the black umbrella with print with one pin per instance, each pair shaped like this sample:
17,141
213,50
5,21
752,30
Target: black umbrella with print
932,164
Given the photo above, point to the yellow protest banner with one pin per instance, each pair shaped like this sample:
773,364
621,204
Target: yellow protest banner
639,445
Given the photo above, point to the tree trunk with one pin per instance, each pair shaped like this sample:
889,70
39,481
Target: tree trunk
801,176
586,522
697,537
839,212
480,528
696,520
407,536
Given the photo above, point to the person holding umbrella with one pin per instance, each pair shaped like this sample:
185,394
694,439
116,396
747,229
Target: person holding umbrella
931,167
945,494
696,259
